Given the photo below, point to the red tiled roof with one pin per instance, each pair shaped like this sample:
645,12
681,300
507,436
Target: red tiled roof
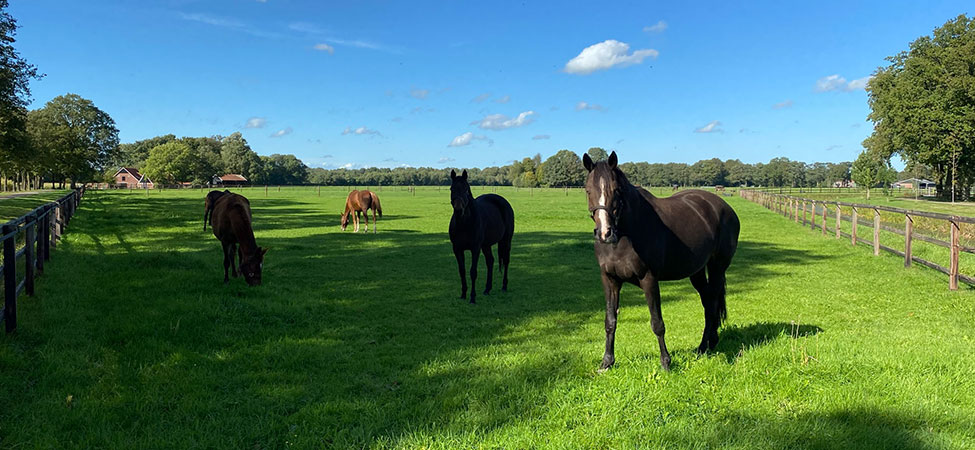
135,174
232,177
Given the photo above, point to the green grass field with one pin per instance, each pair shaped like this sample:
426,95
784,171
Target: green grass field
18,204
360,341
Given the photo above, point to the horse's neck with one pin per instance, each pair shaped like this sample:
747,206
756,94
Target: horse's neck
639,206
243,230
470,218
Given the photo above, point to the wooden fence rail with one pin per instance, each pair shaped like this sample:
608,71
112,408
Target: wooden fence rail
789,206
41,229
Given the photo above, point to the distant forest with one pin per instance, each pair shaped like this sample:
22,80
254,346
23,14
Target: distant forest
167,159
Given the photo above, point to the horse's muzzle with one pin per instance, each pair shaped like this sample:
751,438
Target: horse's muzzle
611,238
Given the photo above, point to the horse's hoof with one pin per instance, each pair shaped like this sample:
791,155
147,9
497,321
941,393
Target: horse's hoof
665,364
602,370
701,349
606,364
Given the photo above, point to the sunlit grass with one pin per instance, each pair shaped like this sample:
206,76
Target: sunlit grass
359,340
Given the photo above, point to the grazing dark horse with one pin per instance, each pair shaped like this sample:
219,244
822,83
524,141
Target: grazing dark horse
231,223
361,202
476,225
642,239
208,204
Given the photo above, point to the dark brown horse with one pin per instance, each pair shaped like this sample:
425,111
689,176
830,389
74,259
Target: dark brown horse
361,202
642,239
209,202
476,225
231,223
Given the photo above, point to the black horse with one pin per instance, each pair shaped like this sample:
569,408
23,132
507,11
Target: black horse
642,239
476,225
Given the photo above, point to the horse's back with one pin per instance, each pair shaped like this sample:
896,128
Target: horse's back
223,215
703,222
498,217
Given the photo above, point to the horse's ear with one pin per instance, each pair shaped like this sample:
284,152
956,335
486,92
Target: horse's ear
453,174
587,161
464,174
612,159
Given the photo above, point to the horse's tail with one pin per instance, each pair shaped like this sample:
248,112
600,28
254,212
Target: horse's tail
375,204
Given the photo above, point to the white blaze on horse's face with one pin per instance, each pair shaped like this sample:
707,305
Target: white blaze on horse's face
602,216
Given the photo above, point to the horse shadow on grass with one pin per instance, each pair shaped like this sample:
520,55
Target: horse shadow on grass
735,340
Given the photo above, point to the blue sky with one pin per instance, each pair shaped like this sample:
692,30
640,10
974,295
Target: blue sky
462,84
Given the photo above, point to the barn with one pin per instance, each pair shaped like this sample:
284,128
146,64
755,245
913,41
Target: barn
230,179
131,178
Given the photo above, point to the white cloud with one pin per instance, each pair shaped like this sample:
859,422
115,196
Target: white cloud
325,48
481,98
503,122
582,106
783,105
255,122
505,99
419,93
711,127
445,159
837,83
658,27
282,132
467,138
228,23
607,54
361,131
539,137
859,83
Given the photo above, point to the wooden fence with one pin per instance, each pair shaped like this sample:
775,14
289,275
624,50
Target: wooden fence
39,230
808,210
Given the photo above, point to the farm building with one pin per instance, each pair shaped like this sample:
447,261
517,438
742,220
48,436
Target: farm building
912,183
131,178
230,179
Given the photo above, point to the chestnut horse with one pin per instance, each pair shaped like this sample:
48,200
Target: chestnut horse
208,204
642,239
231,223
361,202
476,225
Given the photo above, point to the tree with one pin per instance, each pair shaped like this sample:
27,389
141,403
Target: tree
871,169
564,169
169,163
79,138
135,154
287,169
708,172
239,158
598,154
15,76
839,172
923,105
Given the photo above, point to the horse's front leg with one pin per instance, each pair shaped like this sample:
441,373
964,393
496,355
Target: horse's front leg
459,254
356,219
651,289
611,287
474,256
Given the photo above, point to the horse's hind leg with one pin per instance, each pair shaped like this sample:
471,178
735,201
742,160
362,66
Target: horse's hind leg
227,262
374,223
710,336
489,262
504,257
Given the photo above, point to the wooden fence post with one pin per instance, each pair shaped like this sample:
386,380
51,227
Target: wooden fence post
795,211
853,235
812,214
29,264
953,270
908,230
839,219
824,219
803,213
47,233
876,232
9,279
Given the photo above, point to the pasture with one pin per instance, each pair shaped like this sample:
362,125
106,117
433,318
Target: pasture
361,341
